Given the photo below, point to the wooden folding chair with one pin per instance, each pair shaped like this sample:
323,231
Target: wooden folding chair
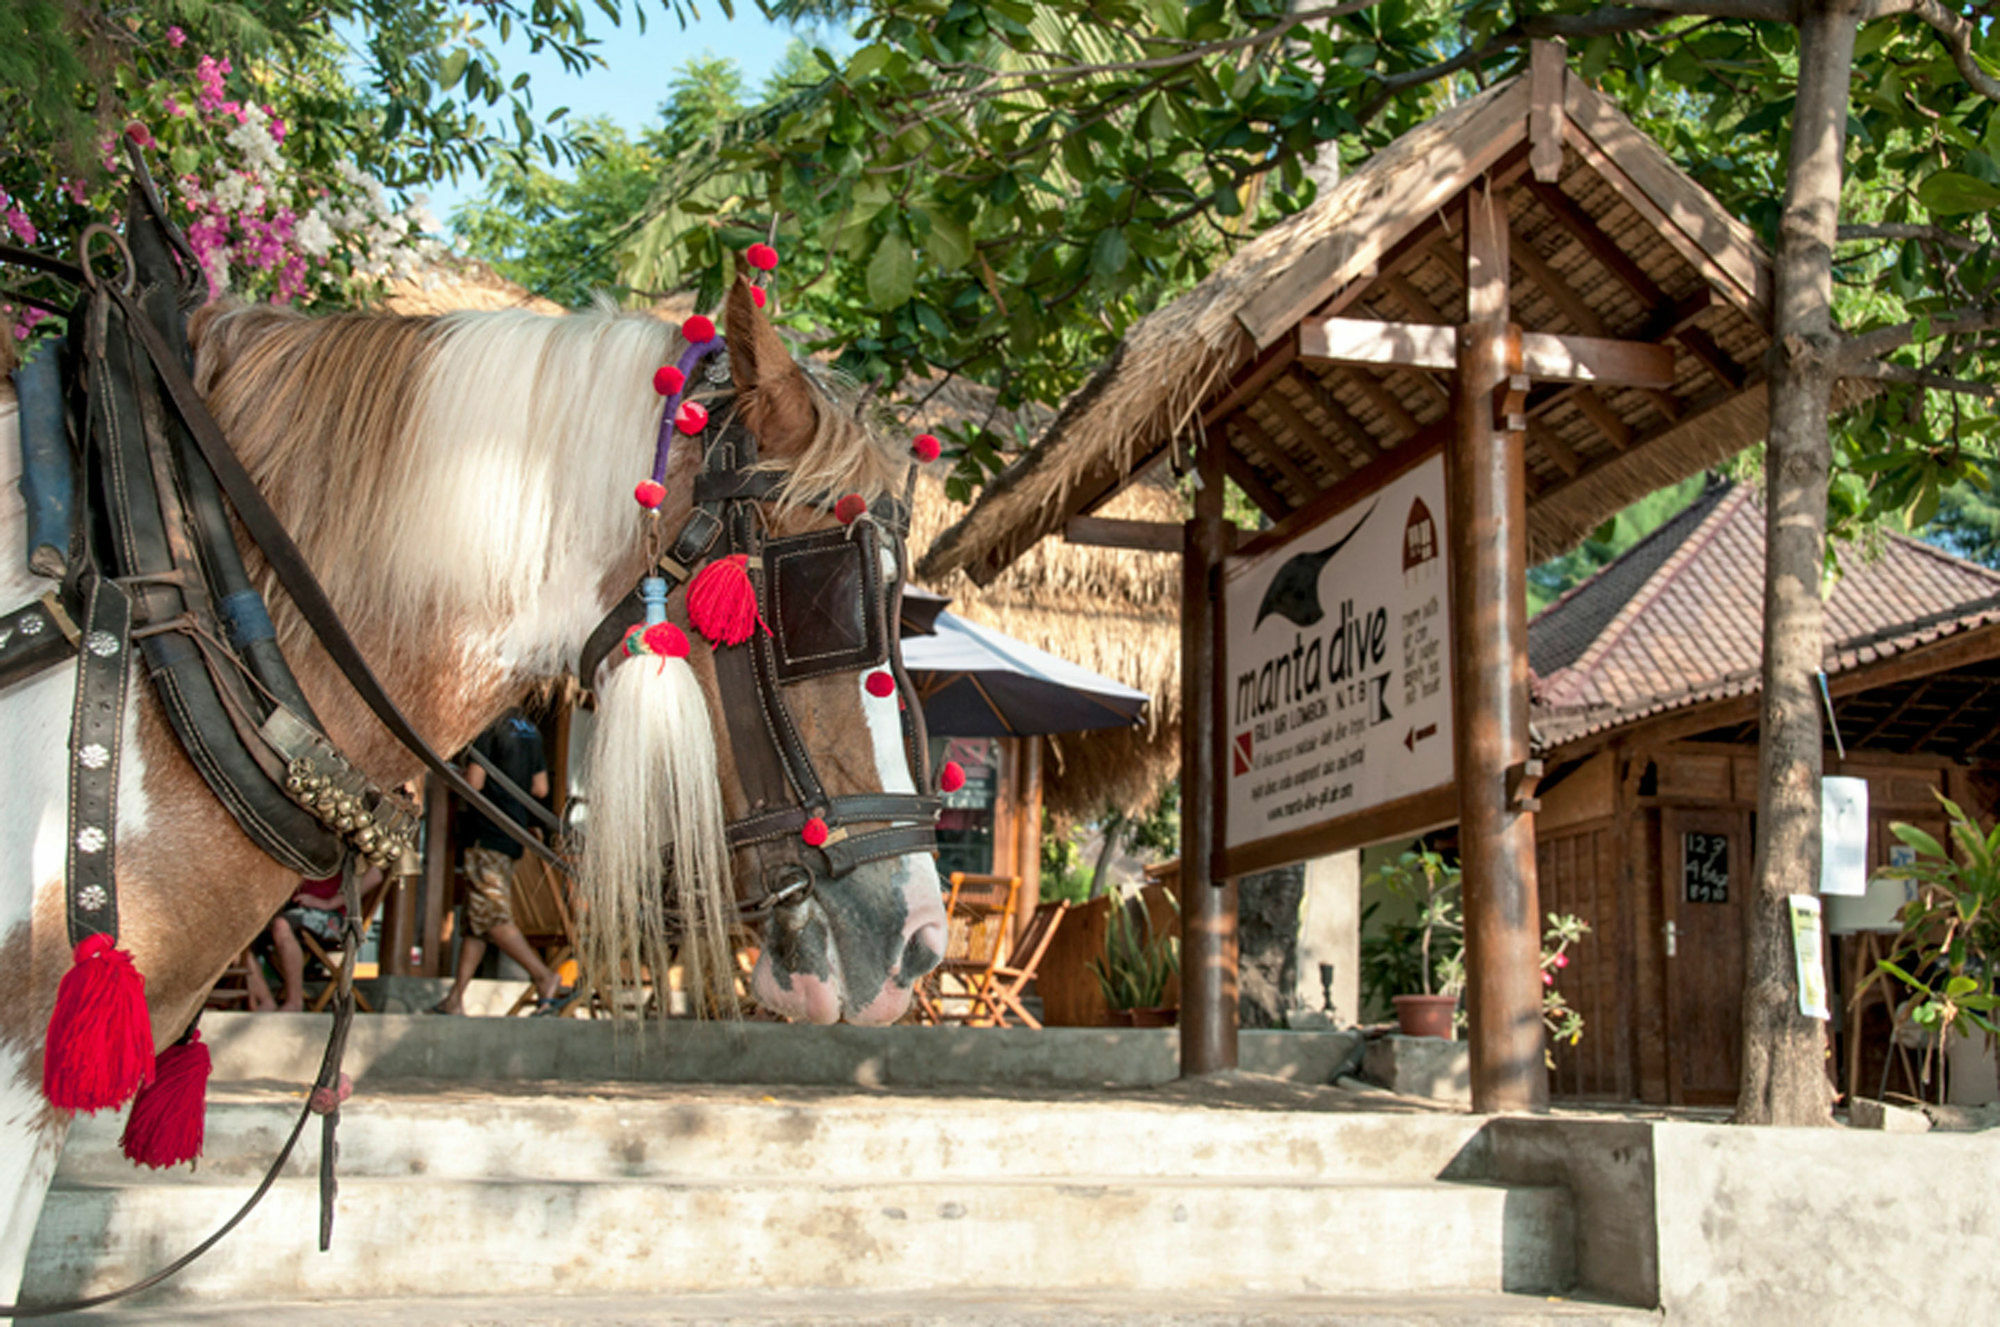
1005,980
335,958
980,919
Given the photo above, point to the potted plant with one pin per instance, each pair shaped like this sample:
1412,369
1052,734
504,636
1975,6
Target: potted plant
1136,967
1948,952
1420,965
1435,939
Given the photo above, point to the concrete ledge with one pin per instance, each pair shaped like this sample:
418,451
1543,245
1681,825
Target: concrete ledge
1420,1067
288,1046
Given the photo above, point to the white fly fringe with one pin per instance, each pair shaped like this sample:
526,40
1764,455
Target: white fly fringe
654,792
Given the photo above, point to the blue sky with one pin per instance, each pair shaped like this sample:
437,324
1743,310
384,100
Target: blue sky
633,83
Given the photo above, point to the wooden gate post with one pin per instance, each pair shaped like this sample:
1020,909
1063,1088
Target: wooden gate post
1486,481
1208,906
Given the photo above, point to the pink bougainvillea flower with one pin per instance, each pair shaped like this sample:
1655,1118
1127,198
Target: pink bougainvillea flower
176,38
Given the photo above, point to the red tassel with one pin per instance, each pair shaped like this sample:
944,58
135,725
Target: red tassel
649,494
925,447
698,329
849,509
100,1044
881,683
757,296
952,777
667,380
761,256
168,1117
814,833
722,603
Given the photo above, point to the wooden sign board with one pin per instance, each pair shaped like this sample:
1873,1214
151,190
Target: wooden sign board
1336,694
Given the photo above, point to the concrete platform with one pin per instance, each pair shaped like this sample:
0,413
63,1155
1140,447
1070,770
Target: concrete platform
1029,1308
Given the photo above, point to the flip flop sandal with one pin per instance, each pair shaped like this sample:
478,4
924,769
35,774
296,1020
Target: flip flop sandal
551,1005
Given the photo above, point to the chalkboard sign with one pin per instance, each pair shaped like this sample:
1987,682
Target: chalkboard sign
1705,867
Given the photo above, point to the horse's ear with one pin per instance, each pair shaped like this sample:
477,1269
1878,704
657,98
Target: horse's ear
778,402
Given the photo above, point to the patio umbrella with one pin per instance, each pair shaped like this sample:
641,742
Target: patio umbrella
975,682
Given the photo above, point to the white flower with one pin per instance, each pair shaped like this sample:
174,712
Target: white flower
314,236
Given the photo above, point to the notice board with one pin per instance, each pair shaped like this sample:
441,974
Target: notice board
1336,693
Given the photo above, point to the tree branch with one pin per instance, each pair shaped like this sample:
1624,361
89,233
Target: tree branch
1882,371
1936,234
1952,30
1958,322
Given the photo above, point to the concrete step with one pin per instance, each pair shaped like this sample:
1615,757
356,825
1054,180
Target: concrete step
1023,1309
420,1236
645,1132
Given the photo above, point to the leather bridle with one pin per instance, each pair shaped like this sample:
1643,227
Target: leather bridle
828,602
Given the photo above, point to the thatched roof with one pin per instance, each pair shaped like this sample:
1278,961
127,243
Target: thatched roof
1113,611
458,283
1619,244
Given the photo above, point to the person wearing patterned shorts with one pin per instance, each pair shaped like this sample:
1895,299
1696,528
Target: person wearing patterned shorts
489,859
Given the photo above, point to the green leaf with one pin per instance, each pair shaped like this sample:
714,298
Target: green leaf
892,273
454,68
1110,253
1917,839
1952,193
949,243
867,60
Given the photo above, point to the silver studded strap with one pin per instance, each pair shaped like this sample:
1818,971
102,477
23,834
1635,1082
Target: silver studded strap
102,676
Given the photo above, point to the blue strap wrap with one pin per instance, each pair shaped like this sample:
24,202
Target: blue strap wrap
47,488
244,614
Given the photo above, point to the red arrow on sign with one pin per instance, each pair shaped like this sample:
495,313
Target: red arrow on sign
1416,735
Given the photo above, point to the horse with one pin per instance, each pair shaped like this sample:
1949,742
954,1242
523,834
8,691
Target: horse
462,485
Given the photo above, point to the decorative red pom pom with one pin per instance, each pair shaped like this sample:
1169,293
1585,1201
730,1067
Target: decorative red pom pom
757,296
167,1121
881,683
692,418
326,1100
666,640
761,256
952,777
100,1043
649,494
698,329
848,510
667,380
924,447
722,601
814,832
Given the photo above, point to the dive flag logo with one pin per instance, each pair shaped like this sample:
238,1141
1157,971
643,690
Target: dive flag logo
1242,754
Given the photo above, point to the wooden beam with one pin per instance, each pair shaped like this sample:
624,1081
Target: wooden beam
1488,282
1685,215
1272,454
1895,713
1551,442
1106,532
1391,406
1308,432
1318,393
1713,357
1411,197
1605,418
1266,366
1545,108
1268,499
1487,530
1207,904
1367,342
1590,359
1415,301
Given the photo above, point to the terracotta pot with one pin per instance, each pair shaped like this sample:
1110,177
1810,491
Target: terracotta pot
1426,1015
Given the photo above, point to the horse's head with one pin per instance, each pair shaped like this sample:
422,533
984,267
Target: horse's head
818,738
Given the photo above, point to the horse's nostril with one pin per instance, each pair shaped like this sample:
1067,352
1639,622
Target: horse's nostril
924,951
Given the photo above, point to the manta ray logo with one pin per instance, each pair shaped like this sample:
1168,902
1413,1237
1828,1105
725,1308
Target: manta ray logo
1293,593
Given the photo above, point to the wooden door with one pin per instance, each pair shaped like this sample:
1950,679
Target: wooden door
1707,877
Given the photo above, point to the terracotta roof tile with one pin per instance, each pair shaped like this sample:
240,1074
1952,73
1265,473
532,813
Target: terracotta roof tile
1677,620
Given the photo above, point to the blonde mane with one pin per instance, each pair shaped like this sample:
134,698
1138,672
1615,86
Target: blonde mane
462,484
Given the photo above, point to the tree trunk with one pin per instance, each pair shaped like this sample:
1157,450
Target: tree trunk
1784,1052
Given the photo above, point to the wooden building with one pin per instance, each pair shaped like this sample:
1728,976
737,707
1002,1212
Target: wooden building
1645,697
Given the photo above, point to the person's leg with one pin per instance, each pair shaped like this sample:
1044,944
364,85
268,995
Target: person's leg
291,960
515,946
261,999
470,950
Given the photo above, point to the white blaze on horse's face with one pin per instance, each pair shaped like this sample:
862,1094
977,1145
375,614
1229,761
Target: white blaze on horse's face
842,953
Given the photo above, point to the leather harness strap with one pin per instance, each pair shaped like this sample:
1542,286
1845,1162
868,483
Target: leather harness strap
96,724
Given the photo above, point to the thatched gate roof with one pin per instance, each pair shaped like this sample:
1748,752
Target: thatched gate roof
1609,239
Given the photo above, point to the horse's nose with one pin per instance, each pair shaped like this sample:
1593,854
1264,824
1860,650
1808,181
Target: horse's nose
923,951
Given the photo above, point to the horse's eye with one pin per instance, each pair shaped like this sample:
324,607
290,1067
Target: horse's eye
827,602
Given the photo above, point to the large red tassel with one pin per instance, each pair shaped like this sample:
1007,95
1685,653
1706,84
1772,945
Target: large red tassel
100,1045
168,1116
722,603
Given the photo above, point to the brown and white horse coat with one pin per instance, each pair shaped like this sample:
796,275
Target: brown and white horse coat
462,486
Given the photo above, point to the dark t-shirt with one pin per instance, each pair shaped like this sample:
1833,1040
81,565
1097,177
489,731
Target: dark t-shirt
515,745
